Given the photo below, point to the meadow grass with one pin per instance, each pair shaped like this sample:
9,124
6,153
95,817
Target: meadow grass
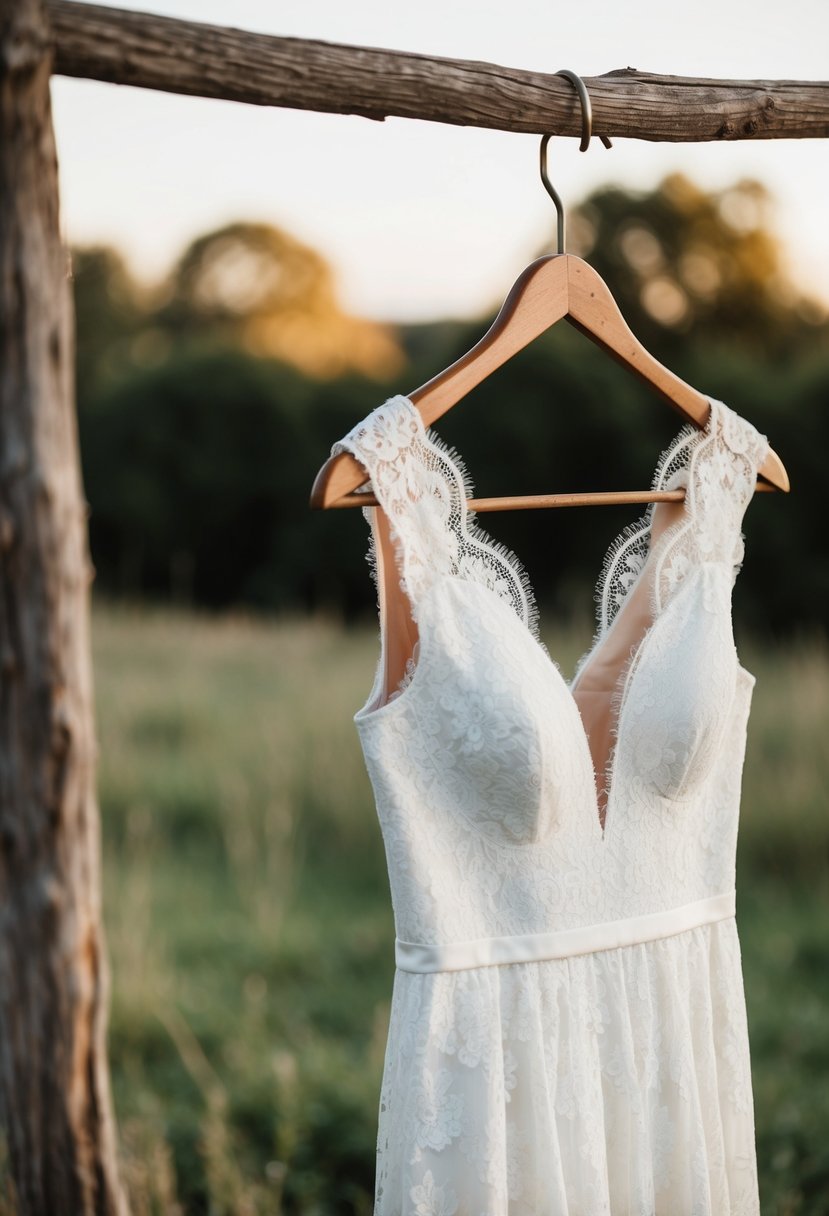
249,923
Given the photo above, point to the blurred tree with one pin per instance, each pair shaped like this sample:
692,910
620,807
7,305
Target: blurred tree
187,467
256,287
110,313
198,473
685,264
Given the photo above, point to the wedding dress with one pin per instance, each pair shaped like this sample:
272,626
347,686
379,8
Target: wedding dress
568,1031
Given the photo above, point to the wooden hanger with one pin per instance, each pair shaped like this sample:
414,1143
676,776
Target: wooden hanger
554,287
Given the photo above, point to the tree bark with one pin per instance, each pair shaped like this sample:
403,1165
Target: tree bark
55,1103
153,52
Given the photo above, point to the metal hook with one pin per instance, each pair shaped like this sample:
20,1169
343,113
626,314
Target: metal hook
586,133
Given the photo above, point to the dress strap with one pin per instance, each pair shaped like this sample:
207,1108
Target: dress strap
719,475
725,478
422,485
717,467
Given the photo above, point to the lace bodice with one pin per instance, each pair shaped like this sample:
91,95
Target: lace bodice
486,739
527,817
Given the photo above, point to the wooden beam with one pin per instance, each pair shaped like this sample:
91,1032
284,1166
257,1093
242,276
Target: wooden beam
178,56
55,1105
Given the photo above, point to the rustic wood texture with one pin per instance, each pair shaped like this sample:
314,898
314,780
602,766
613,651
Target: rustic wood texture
55,1105
213,61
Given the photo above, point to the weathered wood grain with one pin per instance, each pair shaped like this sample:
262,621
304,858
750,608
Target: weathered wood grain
55,1107
213,61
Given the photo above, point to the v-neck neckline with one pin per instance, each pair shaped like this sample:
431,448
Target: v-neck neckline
692,435
620,693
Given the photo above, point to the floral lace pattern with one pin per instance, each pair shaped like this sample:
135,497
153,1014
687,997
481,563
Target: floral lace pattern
597,1087
607,1082
423,485
717,467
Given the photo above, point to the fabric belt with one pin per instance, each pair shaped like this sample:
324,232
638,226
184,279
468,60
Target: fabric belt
561,943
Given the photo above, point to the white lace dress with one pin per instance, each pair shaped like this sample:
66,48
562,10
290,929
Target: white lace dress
568,1031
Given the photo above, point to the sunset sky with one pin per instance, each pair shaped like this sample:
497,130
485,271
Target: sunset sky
422,220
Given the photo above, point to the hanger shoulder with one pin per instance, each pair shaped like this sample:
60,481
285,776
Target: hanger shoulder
774,471
538,298
594,312
336,478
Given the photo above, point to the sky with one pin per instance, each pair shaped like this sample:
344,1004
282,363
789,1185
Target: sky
424,220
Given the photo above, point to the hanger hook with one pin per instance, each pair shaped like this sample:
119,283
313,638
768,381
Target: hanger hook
586,133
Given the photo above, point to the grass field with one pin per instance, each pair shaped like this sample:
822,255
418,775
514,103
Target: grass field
249,921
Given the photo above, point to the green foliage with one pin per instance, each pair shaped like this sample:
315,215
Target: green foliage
181,466
692,267
110,316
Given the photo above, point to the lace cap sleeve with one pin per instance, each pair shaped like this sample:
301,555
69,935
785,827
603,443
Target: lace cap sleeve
725,479
717,467
423,485
388,443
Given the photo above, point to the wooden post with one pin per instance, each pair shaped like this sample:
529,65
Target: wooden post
55,1104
